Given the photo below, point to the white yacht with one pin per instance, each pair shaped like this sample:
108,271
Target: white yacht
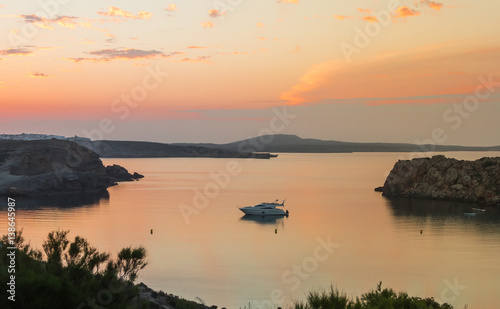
266,209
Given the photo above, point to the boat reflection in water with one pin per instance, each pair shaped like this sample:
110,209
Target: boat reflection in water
263,219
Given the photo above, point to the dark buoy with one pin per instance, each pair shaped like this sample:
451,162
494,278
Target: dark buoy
151,231
421,231
275,231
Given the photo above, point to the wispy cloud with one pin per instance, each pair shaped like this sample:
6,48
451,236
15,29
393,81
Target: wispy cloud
215,13
171,8
369,11
289,1
201,59
342,17
404,11
105,55
22,51
38,75
370,19
260,25
47,23
432,4
114,11
415,74
207,24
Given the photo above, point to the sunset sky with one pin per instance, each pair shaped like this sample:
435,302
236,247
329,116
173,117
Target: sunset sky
220,70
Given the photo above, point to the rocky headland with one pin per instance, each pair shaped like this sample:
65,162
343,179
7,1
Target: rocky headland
51,167
447,179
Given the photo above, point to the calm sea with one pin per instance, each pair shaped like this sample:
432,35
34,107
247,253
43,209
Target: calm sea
339,232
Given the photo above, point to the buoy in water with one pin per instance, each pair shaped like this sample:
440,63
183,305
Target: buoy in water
275,231
151,231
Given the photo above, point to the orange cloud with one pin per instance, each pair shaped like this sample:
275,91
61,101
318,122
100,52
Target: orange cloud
435,5
260,25
432,4
207,24
114,11
171,8
342,17
383,81
289,1
202,59
197,47
215,13
369,11
404,11
370,19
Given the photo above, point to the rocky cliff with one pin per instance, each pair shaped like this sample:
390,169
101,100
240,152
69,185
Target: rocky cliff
443,178
46,167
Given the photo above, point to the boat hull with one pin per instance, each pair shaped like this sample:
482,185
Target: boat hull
263,212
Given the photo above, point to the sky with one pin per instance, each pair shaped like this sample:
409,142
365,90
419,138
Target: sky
413,71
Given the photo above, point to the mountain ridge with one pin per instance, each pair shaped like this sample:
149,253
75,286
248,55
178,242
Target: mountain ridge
295,144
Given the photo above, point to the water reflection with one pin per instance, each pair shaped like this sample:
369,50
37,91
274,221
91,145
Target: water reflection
263,219
407,208
72,200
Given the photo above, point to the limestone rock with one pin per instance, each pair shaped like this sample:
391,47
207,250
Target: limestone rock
443,178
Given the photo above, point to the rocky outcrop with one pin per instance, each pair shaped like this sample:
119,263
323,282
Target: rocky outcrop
119,173
48,167
443,178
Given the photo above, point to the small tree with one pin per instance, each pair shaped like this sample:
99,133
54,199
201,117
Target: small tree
55,245
130,262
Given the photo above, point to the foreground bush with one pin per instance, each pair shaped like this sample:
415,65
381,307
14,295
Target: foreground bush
72,275
375,299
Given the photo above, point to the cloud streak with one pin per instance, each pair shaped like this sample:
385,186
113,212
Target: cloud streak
422,73
114,11
404,11
38,75
105,55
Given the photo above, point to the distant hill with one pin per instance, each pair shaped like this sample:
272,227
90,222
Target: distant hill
293,143
133,149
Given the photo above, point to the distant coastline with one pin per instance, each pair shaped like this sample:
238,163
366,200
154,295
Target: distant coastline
260,147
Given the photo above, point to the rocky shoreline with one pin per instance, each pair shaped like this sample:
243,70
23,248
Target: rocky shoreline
54,167
442,178
168,301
